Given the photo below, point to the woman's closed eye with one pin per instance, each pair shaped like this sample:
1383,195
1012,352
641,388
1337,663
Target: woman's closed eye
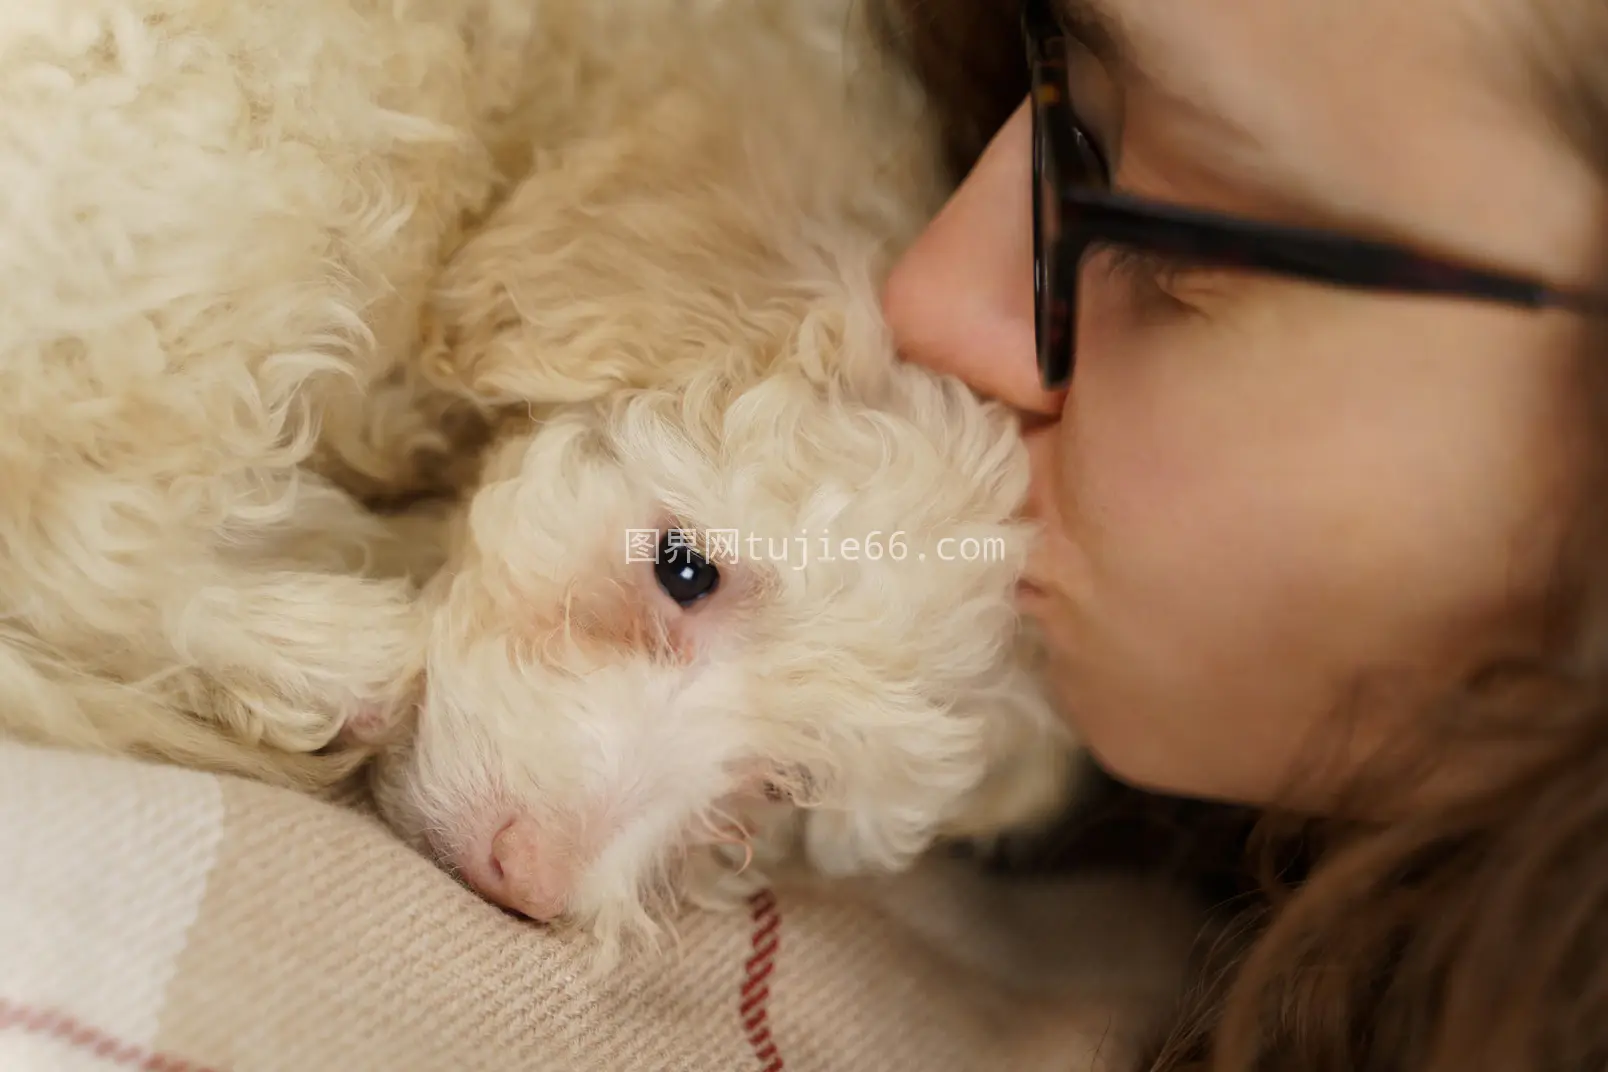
1155,280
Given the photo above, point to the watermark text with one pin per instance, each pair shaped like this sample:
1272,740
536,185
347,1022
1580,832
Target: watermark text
733,545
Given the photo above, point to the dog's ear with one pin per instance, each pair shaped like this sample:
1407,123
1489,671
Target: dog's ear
540,306
622,260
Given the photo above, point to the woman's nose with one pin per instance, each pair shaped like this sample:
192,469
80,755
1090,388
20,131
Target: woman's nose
960,300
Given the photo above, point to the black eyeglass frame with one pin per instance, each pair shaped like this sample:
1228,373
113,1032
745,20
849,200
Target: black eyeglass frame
1085,212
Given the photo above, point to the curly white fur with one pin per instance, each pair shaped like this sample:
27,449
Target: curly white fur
220,220
677,310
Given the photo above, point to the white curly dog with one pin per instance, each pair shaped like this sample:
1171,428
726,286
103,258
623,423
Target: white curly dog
731,580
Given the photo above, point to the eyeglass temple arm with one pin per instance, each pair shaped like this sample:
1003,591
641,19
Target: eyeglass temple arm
1310,254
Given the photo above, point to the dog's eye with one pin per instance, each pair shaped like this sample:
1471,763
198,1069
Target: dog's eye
684,574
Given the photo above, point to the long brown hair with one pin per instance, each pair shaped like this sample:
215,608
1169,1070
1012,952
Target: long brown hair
1473,935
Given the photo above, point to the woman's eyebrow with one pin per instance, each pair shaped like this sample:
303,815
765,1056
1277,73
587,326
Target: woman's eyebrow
1099,30
1139,55
1149,55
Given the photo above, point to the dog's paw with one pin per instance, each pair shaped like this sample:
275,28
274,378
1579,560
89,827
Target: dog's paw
723,881
373,723
844,843
1023,792
368,725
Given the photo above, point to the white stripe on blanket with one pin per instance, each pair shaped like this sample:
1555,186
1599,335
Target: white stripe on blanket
103,864
41,1053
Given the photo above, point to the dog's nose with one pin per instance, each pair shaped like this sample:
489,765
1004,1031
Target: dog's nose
523,869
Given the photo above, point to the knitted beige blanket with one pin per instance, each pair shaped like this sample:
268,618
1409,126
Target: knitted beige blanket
172,921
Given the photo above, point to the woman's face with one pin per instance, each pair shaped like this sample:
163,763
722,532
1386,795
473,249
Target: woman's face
1271,504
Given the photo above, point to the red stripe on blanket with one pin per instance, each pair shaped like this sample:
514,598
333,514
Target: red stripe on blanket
74,1032
753,1000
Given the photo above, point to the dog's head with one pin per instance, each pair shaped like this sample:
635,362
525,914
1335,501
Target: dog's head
743,577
